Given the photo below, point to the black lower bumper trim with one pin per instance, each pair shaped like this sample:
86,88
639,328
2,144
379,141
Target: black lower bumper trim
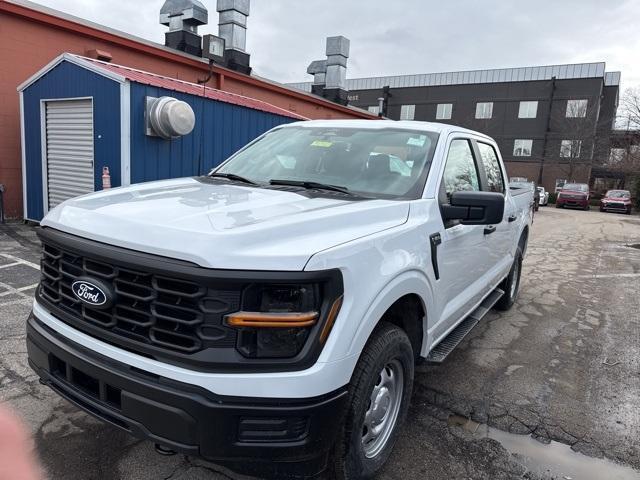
266,437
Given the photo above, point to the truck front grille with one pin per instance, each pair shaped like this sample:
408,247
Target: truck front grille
150,309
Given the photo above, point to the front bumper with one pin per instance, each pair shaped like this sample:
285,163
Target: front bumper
615,207
572,202
265,437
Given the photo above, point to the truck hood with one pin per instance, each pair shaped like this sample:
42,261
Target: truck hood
219,225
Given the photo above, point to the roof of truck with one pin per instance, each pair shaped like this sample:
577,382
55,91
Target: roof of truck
380,124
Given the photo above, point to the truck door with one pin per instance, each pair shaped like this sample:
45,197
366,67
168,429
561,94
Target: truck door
494,181
464,253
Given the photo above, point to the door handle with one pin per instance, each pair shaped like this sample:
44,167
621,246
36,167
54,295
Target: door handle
512,218
489,230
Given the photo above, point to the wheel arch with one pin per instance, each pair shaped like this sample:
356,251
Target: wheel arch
410,288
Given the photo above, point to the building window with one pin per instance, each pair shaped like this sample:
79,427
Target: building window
375,109
616,155
570,148
528,110
443,111
522,148
407,112
576,108
484,109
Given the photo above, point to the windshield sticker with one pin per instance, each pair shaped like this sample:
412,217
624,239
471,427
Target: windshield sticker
321,143
417,141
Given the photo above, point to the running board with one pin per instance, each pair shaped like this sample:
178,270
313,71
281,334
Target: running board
451,341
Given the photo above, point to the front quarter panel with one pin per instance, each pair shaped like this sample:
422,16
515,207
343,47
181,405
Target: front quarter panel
378,270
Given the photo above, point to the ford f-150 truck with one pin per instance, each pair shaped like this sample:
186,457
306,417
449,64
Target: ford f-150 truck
268,316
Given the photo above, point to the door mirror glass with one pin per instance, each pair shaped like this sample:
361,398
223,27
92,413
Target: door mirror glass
474,208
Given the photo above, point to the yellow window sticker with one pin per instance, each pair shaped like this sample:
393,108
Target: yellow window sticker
321,143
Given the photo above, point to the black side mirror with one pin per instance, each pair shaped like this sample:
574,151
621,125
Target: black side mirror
475,208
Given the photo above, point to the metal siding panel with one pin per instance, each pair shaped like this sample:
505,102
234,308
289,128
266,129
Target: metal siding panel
67,80
221,129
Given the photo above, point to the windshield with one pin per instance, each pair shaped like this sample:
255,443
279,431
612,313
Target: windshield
576,187
381,163
618,194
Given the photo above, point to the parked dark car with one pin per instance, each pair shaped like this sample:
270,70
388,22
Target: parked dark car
616,201
574,195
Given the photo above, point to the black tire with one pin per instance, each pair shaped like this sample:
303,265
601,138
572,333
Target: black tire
602,209
587,208
388,345
558,205
511,294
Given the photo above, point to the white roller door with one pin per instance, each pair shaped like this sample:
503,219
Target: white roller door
69,149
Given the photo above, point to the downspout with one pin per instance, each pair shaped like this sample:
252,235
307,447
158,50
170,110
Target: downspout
547,129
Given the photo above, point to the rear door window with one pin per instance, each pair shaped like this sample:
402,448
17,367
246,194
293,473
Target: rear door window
489,159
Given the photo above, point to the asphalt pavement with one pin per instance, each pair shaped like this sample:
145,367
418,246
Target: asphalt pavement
562,368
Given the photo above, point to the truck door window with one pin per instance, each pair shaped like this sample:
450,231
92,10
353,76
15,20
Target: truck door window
489,158
460,171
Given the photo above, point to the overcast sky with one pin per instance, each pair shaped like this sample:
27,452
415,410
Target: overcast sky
410,36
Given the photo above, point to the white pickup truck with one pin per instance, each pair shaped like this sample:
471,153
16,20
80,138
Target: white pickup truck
268,316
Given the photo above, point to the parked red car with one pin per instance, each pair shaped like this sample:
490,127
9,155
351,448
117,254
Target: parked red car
616,201
573,195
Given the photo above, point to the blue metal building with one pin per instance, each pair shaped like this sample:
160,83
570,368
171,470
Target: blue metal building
80,115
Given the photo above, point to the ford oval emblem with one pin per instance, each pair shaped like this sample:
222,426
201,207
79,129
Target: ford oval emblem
93,293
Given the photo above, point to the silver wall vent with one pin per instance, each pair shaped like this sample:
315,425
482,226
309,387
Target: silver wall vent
168,117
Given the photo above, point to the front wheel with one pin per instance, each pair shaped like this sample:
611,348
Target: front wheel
511,284
379,395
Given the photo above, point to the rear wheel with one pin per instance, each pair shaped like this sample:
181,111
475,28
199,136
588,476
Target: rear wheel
379,395
511,284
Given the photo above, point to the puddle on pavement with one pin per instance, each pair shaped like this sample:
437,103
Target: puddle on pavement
555,459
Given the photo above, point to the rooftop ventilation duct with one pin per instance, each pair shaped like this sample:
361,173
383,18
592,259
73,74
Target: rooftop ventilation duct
232,27
330,75
183,17
318,68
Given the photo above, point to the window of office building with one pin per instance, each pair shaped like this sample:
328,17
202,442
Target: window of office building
528,110
522,148
576,108
407,112
484,109
570,148
443,111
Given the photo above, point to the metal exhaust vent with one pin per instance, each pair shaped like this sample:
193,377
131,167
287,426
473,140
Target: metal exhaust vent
168,117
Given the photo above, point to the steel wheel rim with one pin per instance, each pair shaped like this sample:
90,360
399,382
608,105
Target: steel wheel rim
384,406
514,279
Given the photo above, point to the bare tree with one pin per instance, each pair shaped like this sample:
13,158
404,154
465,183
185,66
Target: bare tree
629,118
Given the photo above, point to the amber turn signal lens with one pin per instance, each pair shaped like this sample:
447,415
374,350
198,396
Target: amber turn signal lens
272,320
333,314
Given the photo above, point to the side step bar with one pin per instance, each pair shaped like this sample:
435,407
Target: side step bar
451,341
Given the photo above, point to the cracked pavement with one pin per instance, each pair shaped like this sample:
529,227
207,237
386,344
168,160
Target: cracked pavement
563,365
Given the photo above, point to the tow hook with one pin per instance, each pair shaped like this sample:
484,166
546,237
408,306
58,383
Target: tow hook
162,450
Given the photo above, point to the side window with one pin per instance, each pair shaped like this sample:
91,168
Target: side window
460,172
495,182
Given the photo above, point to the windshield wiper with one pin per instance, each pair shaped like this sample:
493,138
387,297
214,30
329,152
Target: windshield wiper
232,176
315,186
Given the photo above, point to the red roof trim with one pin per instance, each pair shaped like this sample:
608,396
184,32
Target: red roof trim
65,24
168,83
